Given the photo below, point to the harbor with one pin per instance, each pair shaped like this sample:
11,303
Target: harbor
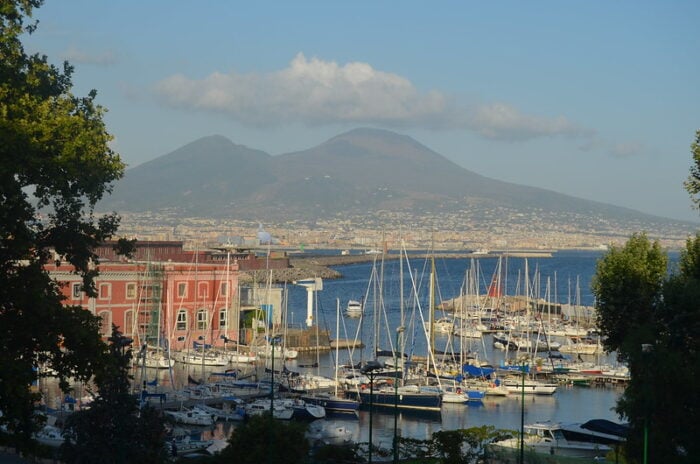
575,386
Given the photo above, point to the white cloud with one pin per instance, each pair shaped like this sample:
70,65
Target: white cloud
316,92
309,91
77,56
502,121
625,150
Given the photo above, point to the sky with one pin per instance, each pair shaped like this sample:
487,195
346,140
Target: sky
595,99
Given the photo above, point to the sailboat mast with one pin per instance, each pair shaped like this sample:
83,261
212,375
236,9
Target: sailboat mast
337,334
431,306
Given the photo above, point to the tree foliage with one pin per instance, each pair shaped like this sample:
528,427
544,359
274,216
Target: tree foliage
652,319
114,429
692,184
56,164
262,439
627,286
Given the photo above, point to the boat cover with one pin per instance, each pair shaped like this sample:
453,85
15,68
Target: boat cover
606,426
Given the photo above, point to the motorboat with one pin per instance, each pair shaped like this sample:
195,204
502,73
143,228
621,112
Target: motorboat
578,345
600,431
281,409
192,417
235,413
548,438
50,435
444,325
528,386
306,411
329,434
353,309
187,445
304,382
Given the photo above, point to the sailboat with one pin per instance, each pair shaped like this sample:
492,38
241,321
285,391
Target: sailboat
332,402
149,319
387,387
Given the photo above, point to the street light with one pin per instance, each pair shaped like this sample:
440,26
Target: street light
399,330
522,413
272,378
368,370
646,349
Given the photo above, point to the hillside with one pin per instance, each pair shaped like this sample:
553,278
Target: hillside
359,172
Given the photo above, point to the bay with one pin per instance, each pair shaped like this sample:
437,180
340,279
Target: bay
560,274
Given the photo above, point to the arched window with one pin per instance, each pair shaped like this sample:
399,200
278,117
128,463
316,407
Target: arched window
202,319
106,323
222,318
128,328
181,320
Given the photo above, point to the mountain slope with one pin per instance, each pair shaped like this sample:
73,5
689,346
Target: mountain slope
358,172
197,178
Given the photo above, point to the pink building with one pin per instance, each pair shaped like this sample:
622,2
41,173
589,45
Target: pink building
159,300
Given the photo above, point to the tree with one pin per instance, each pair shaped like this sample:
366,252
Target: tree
114,421
627,286
56,165
692,184
651,318
263,439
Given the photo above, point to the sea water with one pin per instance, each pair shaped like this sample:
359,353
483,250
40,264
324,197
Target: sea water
563,278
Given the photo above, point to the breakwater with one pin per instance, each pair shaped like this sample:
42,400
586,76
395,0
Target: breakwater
310,265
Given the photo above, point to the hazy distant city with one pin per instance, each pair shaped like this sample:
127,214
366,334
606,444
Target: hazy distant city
501,231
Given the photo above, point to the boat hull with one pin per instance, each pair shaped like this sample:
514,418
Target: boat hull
402,400
333,404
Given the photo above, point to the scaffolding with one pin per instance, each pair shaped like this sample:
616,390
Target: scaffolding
150,299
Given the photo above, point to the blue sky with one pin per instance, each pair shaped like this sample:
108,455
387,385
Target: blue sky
596,99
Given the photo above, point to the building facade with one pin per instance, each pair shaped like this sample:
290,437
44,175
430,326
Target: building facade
165,296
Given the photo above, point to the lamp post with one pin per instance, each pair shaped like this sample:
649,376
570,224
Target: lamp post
399,330
368,370
522,414
272,378
371,407
646,349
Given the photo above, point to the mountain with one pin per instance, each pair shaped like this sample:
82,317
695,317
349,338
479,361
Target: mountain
362,171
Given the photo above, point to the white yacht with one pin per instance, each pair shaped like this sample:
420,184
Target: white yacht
353,309
548,438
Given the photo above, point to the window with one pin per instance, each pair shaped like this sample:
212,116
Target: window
76,291
223,290
203,290
129,322
105,323
131,291
105,291
202,319
222,318
181,320
182,289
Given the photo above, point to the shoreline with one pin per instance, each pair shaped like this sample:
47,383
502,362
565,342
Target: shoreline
315,265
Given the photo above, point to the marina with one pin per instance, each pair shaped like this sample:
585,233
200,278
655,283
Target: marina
575,387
